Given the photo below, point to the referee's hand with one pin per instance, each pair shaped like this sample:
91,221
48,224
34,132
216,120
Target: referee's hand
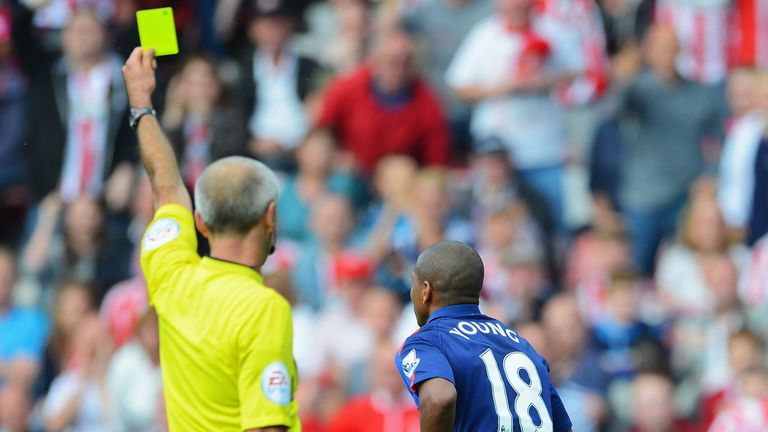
139,75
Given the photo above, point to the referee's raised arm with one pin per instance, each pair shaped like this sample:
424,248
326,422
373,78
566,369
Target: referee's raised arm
156,151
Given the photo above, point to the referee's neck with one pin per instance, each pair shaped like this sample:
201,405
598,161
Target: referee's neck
238,250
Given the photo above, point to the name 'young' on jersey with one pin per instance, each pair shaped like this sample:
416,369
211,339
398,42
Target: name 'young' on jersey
502,383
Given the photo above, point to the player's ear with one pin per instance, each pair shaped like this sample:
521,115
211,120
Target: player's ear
427,292
201,225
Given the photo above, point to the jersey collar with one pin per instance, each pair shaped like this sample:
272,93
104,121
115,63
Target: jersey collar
233,267
455,311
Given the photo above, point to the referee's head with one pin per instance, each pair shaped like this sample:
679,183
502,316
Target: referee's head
446,273
235,200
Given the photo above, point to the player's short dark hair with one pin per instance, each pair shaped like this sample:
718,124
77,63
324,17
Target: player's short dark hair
454,269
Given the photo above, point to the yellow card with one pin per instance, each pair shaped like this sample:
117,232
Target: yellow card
157,30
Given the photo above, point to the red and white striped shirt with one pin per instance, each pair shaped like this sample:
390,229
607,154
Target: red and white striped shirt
583,18
746,415
748,33
702,30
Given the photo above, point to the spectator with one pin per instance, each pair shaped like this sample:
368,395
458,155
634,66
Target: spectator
625,23
393,181
134,380
380,311
315,178
583,19
746,38
736,182
508,65
315,277
122,309
387,103
653,405
23,331
56,14
83,252
681,273
86,146
73,303
385,408
494,186
526,287
576,372
745,353
77,396
15,407
338,35
342,322
502,232
664,155
595,256
12,109
701,59
441,26
758,215
749,413
622,327
201,125
753,289
275,83
431,217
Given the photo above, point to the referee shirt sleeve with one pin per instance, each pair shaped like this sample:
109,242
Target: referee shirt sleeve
169,244
267,379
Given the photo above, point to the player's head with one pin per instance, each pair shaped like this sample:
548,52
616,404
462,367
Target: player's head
446,273
235,197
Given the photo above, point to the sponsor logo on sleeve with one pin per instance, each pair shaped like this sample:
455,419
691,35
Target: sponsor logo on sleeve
161,232
276,383
410,362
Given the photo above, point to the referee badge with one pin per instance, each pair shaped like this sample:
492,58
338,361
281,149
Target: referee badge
276,383
161,232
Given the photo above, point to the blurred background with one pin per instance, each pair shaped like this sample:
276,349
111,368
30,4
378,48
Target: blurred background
607,158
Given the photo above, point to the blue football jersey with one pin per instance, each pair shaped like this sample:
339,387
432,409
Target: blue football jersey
502,383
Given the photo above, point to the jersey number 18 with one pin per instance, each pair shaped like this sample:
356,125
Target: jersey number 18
528,395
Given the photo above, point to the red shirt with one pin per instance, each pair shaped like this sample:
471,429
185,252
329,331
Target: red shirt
370,131
370,413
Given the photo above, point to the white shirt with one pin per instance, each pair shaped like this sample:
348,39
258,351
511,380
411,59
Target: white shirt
90,416
279,113
737,179
134,384
531,125
87,125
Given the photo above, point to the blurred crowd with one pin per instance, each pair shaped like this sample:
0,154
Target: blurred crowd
607,158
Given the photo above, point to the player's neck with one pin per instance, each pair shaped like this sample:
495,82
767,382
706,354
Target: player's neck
459,302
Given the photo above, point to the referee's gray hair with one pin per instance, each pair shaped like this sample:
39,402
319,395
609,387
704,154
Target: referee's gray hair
233,193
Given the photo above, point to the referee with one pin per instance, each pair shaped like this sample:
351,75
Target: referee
225,339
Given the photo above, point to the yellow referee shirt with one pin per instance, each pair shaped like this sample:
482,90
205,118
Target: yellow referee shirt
225,339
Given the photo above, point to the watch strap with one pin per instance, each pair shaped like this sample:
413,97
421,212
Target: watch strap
137,113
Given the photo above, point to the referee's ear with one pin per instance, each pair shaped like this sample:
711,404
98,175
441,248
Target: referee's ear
270,218
201,225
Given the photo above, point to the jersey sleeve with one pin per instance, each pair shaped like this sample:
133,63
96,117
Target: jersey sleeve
267,378
419,360
169,244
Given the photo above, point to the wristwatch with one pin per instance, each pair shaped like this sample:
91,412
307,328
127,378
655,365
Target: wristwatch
137,113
